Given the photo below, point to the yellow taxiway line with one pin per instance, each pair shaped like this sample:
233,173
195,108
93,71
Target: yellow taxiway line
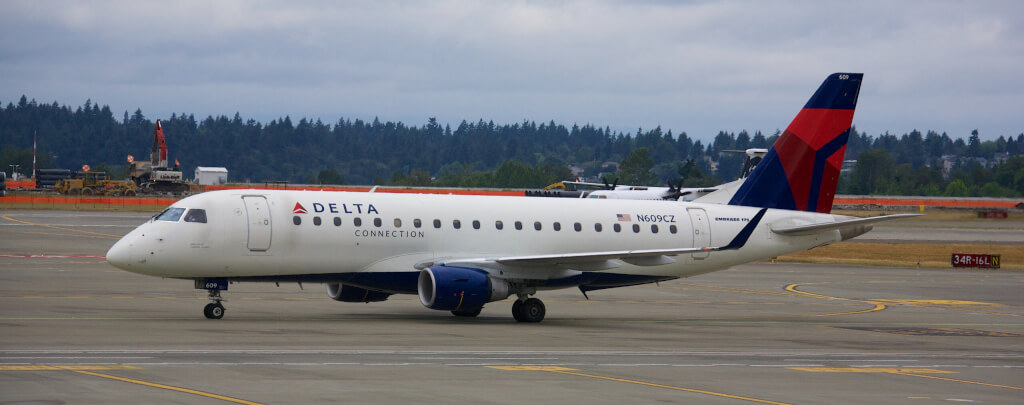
571,371
105,235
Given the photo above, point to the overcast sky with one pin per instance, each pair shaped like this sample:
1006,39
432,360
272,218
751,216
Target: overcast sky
693,66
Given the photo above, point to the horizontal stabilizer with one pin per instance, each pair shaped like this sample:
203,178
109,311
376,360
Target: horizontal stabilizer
812,229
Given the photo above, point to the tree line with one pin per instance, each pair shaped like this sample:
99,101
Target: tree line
483,153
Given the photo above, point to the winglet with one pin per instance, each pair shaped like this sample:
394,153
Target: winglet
741,238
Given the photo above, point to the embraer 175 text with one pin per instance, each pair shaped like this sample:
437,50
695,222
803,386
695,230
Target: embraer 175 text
460,252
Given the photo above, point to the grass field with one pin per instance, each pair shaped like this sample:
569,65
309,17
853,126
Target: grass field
906,254
935,255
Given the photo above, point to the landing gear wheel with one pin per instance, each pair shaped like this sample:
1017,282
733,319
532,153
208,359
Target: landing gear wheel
517,308
469,313
214,311
532,310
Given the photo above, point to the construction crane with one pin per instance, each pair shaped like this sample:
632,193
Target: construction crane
156,175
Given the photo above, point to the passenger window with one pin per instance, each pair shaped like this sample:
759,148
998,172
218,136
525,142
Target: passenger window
297,220
654,229
557,226
337,221
577,226
536,225
316,221
456,224
398,223
597,227
499,225
673,229
519,226
437,223
636,228
617,227
377,222
357,221
476,224
417,223
170,215
196,215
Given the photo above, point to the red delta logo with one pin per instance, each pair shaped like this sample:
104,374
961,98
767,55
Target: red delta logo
299,209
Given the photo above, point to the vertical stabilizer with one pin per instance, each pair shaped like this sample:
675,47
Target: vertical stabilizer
801,169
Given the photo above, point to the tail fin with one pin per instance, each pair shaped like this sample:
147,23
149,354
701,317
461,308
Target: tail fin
801,169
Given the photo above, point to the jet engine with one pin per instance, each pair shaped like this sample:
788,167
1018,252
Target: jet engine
458,288
348,293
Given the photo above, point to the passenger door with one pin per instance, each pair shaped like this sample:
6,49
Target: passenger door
258,214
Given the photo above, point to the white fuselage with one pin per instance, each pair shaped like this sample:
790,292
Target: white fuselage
257,233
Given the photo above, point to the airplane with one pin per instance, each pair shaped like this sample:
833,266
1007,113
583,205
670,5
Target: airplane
630,192
458,253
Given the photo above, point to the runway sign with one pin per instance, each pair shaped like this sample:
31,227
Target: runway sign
975,260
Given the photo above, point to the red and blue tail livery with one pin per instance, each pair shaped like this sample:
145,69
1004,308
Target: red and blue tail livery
801,170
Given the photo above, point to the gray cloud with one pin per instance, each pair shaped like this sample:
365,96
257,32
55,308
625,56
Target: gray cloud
687,66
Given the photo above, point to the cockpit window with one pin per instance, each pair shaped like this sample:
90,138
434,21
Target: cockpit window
196,215
171,214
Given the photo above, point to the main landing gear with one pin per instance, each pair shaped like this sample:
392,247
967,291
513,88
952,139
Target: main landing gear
528,310
213,286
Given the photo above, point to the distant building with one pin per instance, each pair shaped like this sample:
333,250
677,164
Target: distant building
947,162
211,176
1000,158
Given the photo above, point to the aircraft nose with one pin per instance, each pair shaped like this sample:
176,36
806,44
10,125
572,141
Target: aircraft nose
120,255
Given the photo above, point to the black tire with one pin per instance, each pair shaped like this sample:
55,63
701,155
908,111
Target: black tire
88,191
469,313
517,307
213,311
532,311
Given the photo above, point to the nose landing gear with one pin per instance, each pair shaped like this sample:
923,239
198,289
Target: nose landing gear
213,310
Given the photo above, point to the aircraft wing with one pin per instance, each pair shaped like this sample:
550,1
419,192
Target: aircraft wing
583,183
811,229
595,261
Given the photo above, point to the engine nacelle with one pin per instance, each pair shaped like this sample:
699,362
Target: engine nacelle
347,293
458,288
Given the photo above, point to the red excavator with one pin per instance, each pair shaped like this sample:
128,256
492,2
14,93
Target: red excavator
156,175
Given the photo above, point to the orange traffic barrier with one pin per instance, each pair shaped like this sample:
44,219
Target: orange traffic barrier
26,184
959,203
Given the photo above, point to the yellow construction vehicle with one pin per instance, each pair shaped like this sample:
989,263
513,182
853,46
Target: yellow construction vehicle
95,183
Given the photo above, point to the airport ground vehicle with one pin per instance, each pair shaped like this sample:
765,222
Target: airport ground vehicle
95,183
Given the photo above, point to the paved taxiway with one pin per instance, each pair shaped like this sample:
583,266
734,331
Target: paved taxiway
75,330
